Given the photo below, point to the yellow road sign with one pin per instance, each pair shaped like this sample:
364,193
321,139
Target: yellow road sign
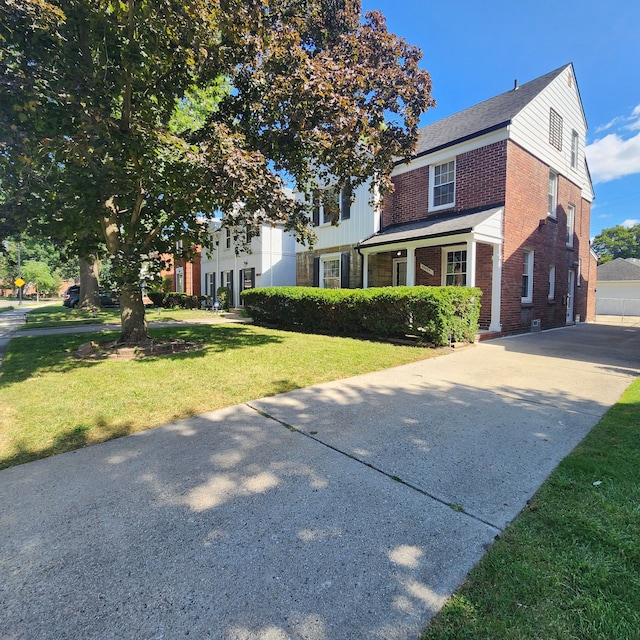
19,282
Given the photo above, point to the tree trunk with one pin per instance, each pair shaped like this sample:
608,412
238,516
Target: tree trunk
89,296
134,323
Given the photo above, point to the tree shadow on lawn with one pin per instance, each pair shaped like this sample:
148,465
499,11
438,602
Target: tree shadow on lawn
72,439
31,356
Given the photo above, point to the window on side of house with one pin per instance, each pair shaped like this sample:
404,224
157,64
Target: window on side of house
553,194
575,141
555,129
571,224
455,267
331,205
346,194
527,277
443,185
330,272
552,283
180,279
227,238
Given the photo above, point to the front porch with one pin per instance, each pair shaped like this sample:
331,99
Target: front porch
464,250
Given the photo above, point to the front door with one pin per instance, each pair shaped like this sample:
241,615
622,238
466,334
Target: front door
570,291
399,272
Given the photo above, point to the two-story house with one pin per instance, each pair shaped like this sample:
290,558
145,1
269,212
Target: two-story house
267,259
497,196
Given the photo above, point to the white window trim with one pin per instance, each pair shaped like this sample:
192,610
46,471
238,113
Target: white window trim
326,258
529,297
553,210
575,148
432,168
571,224
552,283
445,252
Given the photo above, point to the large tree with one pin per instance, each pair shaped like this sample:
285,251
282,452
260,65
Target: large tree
617,242
304,90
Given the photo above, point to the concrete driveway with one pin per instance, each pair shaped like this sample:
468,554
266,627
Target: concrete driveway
345,510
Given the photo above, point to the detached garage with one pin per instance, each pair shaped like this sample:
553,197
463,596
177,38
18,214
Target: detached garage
618,288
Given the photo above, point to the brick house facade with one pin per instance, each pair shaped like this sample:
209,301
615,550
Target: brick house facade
497,196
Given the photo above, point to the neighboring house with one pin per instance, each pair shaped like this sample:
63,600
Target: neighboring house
184,274
497,196
270,261
618,288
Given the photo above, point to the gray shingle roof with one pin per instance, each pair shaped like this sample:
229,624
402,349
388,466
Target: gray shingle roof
482,118
619,269
429,228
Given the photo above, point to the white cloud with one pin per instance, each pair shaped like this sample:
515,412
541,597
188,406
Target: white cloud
613,157
630,223
616,155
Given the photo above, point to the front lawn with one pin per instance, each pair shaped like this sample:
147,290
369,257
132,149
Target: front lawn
52,402
60,316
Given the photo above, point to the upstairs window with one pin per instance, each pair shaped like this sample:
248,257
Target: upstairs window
555,129
575,140
332,204
443,181
553,194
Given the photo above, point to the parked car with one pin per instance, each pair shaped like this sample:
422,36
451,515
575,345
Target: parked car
71,297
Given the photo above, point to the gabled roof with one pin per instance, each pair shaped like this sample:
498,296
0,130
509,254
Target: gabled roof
482,118
619,269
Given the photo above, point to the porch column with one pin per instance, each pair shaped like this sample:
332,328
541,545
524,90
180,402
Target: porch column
411,267
496,286
471,263
365,270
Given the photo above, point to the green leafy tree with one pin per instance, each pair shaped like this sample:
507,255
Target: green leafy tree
133,117
38,273
617,242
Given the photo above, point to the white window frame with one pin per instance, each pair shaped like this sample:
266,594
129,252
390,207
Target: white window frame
340,196
331,257
445,263
527,272
180,280
552,194
571,224
552,283
433,186
575,147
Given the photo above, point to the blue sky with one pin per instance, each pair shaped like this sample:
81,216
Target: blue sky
475,50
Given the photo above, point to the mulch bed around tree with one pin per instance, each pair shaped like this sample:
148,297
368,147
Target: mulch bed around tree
119,351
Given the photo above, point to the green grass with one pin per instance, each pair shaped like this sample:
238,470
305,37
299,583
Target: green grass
6,309
60,316
568,568
53,403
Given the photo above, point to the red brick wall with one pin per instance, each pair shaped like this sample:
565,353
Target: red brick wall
480,182
527,227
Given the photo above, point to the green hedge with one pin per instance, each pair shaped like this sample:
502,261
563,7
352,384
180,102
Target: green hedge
173,299
434,314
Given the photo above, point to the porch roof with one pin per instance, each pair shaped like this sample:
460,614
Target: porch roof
434,228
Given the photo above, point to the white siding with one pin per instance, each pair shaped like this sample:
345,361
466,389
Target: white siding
361,224
272,256
530,129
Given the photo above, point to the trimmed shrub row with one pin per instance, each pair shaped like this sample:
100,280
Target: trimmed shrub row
173,299
434,314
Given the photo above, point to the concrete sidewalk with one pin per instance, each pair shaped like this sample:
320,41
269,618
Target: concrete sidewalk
346,510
